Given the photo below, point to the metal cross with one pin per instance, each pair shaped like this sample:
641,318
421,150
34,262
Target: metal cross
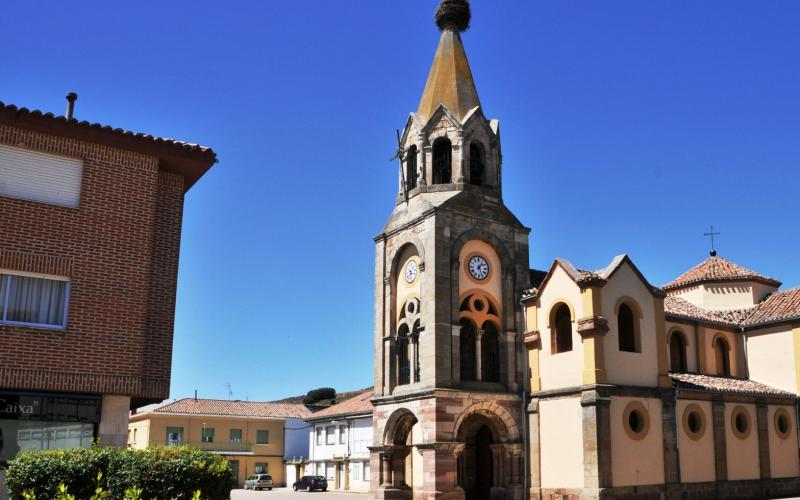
712,234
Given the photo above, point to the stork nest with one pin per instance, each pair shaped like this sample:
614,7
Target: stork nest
453,15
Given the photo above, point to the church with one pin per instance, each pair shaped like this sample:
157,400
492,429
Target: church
496,381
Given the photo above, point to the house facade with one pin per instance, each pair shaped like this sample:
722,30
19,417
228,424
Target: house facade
339,442
494,380
91,224
253,437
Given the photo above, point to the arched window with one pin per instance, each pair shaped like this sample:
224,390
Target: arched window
467,350
677,352
442,161
562,330
490,353
403,358
411,168
722,354
626,326
476,165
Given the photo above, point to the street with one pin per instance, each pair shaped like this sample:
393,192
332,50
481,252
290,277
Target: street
287,493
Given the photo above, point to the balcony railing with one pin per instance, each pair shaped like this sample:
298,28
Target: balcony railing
215,446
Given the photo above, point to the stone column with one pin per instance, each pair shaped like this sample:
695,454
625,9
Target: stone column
415,373
478,355
386,469
439,463
596,441
399,455
113,428
515,486
455,353
498,465
422,155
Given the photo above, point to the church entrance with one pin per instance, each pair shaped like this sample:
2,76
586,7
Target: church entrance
490,465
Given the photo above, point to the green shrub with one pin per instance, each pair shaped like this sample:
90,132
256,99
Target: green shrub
91,473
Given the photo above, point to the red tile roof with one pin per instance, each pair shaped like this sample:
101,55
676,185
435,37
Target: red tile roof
360,404
726,384
779,306
715,269
184,158
682,308
225,408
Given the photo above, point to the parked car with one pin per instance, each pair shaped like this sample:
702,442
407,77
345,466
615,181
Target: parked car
258,482
311,483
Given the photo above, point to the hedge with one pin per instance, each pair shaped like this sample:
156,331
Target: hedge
160,473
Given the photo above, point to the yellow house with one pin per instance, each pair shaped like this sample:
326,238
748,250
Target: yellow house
250,435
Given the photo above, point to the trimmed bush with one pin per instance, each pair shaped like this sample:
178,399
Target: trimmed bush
161,473
321,394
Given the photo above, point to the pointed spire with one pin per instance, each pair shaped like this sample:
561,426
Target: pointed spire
450,80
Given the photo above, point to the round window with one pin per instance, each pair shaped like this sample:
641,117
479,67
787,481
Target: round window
783,423
636,420
694,421
740,422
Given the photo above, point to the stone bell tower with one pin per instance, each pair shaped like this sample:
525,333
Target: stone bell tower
450,265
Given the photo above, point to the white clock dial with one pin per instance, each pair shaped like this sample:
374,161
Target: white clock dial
411,271
478,267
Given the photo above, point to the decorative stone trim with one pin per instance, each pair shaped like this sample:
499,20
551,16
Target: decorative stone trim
592,326
532,339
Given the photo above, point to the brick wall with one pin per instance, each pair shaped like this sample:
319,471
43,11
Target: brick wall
120,249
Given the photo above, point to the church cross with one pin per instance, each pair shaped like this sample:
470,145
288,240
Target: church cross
401,155
711,233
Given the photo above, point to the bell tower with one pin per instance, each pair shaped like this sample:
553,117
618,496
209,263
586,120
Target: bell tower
450,266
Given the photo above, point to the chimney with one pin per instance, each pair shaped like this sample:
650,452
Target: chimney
71,98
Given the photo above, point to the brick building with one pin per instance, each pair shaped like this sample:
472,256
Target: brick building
90,219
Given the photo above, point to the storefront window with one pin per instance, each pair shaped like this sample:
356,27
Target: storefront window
37,422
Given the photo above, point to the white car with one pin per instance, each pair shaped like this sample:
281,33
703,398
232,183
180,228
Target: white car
258,482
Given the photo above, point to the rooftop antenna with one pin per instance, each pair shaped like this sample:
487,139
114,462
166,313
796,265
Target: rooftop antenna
401,155
711,233
227,385
195,394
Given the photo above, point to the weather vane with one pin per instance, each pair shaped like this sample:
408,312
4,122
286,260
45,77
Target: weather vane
711,233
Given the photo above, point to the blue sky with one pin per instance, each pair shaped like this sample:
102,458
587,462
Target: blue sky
627,127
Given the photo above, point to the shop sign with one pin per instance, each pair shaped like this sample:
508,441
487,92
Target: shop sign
49,407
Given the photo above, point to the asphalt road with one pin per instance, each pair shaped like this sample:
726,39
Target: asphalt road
287,493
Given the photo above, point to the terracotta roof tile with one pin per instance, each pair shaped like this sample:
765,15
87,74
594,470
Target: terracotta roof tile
726,384
353,406
715,269
778,306
219,407
682,308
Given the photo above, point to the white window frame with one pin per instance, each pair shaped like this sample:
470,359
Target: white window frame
23,274
330,435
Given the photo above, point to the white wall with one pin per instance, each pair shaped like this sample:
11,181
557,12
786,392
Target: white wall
561,443
771,357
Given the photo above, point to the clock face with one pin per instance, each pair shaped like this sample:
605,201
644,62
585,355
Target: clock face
411,271
478,267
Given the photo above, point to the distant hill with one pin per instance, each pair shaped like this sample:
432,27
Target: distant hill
340,397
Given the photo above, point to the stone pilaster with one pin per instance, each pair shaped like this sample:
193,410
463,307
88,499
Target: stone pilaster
534,454
440,478
720,444
672,468
763,439
596,441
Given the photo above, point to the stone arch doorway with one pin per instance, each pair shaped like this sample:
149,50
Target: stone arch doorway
401,469
490,465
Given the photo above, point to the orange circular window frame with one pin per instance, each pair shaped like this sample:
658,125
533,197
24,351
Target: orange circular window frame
741,411
779,414
638,407
695,410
